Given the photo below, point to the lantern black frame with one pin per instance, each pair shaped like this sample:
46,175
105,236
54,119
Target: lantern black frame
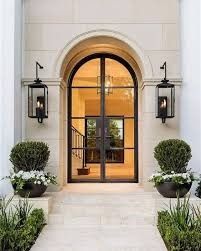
169,110
43,99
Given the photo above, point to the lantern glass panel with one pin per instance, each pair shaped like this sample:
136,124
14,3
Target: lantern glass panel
165,96
38,101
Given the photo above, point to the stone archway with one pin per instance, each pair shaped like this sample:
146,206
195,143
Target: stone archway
103,41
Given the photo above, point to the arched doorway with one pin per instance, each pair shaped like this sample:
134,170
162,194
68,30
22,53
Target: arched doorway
102,120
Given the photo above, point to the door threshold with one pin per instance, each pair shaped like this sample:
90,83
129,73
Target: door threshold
103,187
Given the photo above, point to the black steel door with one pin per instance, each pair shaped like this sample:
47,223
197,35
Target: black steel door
104,134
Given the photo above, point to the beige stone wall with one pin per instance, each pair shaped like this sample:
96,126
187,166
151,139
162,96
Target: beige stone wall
152,129
52,28
51,131
50,25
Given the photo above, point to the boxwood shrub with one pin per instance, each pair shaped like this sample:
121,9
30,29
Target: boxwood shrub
173,155
30,155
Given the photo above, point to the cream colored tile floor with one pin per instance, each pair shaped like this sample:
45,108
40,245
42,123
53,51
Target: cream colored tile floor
101,217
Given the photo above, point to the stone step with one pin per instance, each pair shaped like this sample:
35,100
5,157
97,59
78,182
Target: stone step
104,209
107,210
102,220
104,199
83,228
100,238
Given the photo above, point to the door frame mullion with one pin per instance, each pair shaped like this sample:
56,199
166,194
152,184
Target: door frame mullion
102,114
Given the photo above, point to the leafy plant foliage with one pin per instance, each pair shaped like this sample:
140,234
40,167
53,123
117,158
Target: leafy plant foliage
180,226
21,178
19,227
198,190
177,178
173,155
28,156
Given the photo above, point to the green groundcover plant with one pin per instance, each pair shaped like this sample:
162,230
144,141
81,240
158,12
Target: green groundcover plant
198,189
19,225
180,226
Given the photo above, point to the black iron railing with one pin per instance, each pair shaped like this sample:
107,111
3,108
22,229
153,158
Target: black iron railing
78,145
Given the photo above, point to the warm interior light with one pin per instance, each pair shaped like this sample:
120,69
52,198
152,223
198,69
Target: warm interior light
108,83
163,104
38,103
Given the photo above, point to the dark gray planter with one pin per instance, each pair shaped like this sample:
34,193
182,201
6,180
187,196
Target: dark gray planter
31,190
172,190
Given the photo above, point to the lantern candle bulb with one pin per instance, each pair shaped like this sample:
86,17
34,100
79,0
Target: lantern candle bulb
40,111
163,104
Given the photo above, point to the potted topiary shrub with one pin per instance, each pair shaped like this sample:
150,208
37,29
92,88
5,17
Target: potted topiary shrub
174,179
29,160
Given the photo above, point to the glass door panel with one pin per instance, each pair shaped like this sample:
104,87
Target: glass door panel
87,74
120,102
85,150
120,111
85,102
114,140
129,133
118,73
93,140
102,109
122,170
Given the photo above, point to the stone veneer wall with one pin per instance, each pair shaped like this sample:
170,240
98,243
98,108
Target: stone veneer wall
49,26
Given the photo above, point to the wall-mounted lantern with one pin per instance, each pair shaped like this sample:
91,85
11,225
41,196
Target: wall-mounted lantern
165,98
38,98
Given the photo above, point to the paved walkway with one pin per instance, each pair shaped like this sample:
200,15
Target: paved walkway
101,217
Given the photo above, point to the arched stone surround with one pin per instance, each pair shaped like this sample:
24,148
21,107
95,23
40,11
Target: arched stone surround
111,42
107,39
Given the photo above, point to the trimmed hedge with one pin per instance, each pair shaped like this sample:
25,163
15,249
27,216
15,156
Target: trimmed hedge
198,190
176,237
20,237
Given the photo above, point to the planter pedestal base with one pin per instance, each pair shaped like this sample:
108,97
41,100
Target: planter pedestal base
45,202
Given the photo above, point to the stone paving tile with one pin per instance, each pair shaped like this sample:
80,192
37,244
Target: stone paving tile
100,239
101,222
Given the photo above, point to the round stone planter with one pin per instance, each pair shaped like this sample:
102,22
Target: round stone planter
172,190
31,190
